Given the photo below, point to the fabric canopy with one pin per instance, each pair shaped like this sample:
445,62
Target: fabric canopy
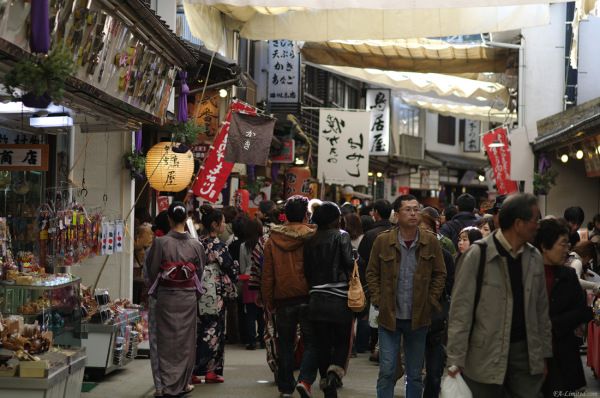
421,83
408,55
343,23
372,4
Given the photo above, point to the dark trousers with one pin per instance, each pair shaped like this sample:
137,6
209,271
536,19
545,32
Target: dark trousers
363,332
287,319
334,341
435,361
255,322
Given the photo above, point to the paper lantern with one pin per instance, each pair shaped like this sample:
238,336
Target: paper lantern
242,199
169,171
298,182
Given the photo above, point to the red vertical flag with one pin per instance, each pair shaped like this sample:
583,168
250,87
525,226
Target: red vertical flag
500,159
216,170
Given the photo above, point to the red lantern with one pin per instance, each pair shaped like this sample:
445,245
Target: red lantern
298,182
242,199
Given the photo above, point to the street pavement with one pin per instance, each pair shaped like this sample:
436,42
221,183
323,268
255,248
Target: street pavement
247,375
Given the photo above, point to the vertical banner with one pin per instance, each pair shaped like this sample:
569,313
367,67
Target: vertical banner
216,170
284,72
343,151
500,159
472,131
378,102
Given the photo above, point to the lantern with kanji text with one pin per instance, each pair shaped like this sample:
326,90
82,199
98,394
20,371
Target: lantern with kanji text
169,171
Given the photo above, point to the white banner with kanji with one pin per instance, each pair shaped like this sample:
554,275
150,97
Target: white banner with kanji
378,102
343,146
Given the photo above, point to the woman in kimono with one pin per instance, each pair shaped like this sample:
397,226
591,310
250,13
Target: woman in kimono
221,272
175,266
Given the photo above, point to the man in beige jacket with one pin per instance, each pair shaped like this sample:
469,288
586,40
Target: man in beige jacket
500,342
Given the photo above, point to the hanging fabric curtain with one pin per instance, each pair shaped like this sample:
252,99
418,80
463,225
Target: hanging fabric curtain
182,113
39,38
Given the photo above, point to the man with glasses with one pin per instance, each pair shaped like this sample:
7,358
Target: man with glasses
406,275
499,332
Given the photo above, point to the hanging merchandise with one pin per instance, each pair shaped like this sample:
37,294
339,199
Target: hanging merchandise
104,239
110,238
119,228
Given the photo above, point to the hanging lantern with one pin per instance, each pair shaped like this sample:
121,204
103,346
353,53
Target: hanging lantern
169,171
242,199
298,182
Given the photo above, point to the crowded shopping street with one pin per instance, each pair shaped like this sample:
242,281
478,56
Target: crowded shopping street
299,198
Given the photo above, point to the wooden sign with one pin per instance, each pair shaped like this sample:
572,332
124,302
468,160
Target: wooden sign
208,114
31,157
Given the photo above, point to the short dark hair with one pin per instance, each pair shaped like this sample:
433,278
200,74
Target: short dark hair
230,212
162,222
400,199
574,214
549,232
239,226
466,202
383,207
450,211
516,206
347,208
265,206
365,210
296,208
177,212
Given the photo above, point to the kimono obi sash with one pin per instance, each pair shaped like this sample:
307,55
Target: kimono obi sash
177,275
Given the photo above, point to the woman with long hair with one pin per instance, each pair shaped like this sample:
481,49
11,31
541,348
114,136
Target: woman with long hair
328,260
175,264
220,266
254,313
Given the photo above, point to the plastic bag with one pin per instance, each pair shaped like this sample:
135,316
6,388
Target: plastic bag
455,387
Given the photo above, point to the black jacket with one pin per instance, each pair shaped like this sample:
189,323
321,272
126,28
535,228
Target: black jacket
328,257
364,249
452,228
568,309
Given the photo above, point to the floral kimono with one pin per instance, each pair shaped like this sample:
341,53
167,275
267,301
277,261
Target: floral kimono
210,344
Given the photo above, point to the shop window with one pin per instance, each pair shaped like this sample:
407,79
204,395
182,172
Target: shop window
337,91
409,120
446,130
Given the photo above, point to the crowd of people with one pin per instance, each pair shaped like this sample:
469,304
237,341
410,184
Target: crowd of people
497,296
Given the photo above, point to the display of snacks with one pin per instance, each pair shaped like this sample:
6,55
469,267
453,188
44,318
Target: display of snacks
33,307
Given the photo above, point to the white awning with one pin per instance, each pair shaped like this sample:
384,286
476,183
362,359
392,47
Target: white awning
484,113
408,55
442,85
337,20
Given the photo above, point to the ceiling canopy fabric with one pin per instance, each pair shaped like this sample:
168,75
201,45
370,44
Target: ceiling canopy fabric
408,55
207,19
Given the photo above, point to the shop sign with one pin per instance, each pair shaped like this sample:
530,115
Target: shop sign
200,151
343,151
30,157
472,131
287,153
500,159
216,170
162,202
206,113
378,103
284,72
403,191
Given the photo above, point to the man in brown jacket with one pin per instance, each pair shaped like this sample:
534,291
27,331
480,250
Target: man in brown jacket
406,275
285,292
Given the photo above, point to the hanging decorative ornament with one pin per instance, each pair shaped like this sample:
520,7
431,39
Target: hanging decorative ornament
242,199
4,179
169,171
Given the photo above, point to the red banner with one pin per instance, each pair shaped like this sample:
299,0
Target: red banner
216,170
500,159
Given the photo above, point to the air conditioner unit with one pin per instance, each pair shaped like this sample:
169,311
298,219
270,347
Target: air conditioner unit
411,147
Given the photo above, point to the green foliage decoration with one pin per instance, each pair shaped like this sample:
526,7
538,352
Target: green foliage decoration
186,132
543,182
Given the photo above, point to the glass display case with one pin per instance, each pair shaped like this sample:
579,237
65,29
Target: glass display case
54,304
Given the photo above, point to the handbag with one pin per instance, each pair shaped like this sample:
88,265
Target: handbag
356,295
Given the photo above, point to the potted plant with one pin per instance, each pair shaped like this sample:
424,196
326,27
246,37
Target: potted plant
186,133
42,76
543,182
135,162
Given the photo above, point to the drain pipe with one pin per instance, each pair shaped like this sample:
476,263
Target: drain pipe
521,86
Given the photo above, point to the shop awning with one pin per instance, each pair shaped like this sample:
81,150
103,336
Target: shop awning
318,21
408,55
457,162
483,113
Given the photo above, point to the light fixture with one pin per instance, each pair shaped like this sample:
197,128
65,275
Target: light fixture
51,121
496,144
223,93
564,158
370,174
481,178
379,175
299,161
579,154
168,171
